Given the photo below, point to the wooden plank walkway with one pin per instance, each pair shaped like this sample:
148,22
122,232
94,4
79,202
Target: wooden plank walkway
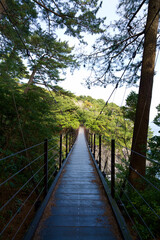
78,208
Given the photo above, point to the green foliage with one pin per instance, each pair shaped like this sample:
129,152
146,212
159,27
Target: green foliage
142,202
157,118
121,42
26,120
139,203
29,31
141,209
131,104
154,150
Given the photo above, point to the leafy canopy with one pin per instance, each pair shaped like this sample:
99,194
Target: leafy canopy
29,32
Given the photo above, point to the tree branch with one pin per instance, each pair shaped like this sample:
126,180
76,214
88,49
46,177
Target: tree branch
125,40
135,14
48,9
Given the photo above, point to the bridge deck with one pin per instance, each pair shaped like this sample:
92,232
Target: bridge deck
78,207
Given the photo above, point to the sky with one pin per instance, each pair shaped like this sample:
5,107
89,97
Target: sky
75,82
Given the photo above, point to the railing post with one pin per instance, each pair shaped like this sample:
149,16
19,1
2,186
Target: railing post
86,132
71,139
45,167
100,152
88,138
94,146
66,145
91,142
60,152
69,142
113,168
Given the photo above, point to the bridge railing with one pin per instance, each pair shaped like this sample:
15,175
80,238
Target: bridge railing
140,204
25,179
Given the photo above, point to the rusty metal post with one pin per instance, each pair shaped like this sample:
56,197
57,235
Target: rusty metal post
91,143
88,138
66,144
71,139
60,152
70,144
113,168
45,167
100,150
86,132
94,145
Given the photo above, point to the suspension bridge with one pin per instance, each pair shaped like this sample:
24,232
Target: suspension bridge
78,204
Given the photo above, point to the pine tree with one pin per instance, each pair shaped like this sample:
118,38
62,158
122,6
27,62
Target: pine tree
29,32
130,45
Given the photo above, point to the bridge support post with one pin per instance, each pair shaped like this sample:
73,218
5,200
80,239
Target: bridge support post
113,168
100,139
45,167
70,141
91,143
66,144
60,152
94,146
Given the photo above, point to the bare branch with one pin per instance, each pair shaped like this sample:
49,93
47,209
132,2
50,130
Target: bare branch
135,14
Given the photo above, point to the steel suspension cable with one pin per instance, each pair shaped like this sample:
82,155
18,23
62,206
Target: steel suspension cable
28,213
149,182
21,206
14,154
21,170
13,196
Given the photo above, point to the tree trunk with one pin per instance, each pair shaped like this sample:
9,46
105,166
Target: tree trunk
30,79
139,142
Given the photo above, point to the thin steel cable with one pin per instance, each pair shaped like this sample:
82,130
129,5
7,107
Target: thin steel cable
143,198
21,170
28,213
52,174
52,167
54,147
13,196
133,223
123,205
20,207
106,102
54,138
139,215
133,56
149,182
26,149
152,160
52,157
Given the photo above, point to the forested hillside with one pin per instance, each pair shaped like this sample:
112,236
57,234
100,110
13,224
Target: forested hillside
28,118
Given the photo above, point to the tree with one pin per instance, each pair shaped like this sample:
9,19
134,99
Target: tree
115,52
50,58
131,104
139,142
29,32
